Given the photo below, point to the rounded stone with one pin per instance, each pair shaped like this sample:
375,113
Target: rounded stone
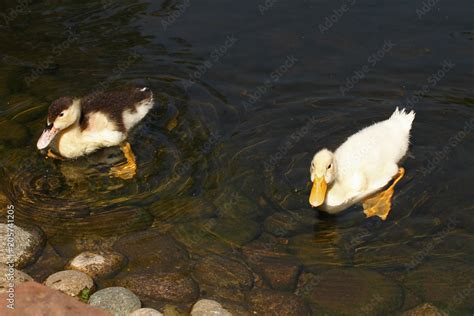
70,282
425,310
223,272
6,273
383,256
198,238
231,203
222,294
28,243
155,253
97,264
183,209
209,307
285,224
274,303
237,231
48,263
116,300
146,312
167,287
278,268
319,251
444,282
363,292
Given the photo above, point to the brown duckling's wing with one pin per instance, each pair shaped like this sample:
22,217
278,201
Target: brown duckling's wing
114,104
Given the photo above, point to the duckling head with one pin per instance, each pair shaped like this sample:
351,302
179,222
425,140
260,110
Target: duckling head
323,172
62,113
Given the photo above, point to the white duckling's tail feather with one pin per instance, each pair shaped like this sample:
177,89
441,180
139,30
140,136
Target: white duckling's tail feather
406,118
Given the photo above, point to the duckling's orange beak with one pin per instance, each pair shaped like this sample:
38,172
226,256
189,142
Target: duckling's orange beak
48,135
318,192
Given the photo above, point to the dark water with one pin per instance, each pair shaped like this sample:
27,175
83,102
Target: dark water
247,91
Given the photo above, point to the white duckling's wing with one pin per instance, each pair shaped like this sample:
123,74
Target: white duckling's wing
374,153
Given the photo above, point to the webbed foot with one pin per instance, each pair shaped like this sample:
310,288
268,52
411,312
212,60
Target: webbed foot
126,170
380,204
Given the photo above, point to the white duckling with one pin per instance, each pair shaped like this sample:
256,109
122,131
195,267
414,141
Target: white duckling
361,167
79,126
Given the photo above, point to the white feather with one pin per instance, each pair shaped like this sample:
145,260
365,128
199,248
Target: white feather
131,118
368,160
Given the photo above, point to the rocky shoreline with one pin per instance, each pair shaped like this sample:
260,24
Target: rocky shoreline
149,273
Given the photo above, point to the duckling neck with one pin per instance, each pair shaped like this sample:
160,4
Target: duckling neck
337,194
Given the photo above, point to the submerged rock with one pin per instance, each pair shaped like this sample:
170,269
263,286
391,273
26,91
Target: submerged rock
6,275
209,307
28,243
198,237
235,231
411,300
278,268
146,312
280,273
223,272
97,264
116,300
383,256
236,309
350,292
167,287
172,310
232,203
425,310
319,251
222,294
447,282
149,251
48,263
286,224
181,209
455,245
274,303
72,283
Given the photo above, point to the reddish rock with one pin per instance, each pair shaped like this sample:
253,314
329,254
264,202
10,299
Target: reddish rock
6,273
223,273
155,253
166,287
278,269
34,299
220,294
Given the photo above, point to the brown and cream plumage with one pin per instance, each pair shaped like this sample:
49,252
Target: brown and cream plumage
79,126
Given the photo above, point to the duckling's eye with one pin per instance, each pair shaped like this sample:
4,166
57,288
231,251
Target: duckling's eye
61,114
330,165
